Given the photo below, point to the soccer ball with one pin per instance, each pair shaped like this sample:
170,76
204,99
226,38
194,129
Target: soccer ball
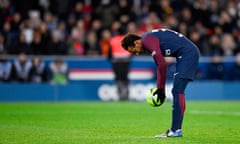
153,100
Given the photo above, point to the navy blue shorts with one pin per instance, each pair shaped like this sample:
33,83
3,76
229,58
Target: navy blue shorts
187,63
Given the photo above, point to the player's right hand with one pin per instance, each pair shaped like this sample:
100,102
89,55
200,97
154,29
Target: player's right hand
161,94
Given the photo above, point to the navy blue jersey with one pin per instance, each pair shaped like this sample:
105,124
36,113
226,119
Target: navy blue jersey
165,42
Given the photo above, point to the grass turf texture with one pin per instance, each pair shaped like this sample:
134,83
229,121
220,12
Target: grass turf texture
116,123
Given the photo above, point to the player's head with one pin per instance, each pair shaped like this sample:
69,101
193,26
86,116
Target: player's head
132,43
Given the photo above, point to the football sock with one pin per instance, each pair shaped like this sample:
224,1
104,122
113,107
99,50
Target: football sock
178,111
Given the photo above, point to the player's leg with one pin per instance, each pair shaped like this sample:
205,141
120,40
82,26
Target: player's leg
179,86
124,70
116,69
121,69
186,68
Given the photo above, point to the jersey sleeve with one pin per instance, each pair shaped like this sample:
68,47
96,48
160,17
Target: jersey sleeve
152,44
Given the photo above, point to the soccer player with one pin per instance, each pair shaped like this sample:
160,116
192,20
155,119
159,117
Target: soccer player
161,43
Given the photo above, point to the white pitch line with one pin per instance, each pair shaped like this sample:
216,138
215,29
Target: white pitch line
214,112
122,136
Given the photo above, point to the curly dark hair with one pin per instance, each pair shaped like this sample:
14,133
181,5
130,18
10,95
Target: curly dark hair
128,40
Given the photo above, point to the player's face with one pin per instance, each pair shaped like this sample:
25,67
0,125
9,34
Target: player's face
137,49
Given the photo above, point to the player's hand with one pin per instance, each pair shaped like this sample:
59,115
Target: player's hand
161,94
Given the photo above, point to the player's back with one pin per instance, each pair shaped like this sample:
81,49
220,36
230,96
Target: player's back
172,43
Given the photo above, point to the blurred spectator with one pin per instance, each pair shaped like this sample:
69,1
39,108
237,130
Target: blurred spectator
44,5
57,45
16,22
50,20
216,69
96,26
38,71
59,71
201,12
107,13
91,45
20,46
162,8
4,11
183,28
232,7
6,68
45,38
115,27
76,39
22,67
228,45
196,39
126,13
203,31
125,8
9,36
214,11
87,17
78,10
132,28
2,45
60,8
70,23
37,45
151,22
225,21
171,22
143,13
217,30
62,30
235,69
214,46
34,18
105,43
186,16
26,29
124,20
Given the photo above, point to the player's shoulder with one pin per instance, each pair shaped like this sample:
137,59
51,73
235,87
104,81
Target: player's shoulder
160,30
156,32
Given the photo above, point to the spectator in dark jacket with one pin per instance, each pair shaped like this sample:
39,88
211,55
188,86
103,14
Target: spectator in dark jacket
20,46
22,68
38,71
216,69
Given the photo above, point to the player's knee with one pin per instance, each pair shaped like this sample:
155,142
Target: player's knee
176,91
179,86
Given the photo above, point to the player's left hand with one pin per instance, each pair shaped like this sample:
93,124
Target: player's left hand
161,94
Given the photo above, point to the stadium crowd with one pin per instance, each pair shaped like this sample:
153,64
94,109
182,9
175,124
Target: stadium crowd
84,27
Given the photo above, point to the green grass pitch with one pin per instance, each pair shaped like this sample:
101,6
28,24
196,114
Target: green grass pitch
206,122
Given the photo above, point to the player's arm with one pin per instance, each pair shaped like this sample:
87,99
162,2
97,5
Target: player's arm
152,44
